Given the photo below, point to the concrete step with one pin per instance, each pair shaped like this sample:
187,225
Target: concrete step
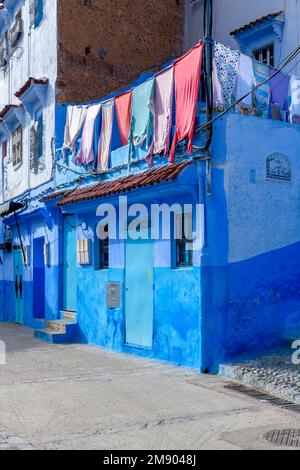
50,336
59,331
59,325
68,315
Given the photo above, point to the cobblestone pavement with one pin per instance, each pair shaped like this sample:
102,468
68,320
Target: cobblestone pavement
84,397
274,373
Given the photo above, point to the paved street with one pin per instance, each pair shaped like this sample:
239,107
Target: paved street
82,397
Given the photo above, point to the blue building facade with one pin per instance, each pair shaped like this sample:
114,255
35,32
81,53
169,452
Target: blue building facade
239,295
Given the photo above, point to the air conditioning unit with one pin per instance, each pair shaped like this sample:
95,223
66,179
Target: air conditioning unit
16,32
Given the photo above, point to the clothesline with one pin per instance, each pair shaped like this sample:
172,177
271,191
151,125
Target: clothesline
144,112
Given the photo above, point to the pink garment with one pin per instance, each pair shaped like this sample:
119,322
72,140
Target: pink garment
187,71
86,153
163,111
105,136
123,110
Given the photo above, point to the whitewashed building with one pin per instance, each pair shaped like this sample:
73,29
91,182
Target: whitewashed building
28,71
267,29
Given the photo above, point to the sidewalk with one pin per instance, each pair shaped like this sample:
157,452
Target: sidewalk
274,373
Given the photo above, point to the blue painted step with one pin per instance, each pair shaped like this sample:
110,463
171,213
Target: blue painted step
58,332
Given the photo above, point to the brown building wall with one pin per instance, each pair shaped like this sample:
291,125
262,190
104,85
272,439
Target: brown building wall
131,36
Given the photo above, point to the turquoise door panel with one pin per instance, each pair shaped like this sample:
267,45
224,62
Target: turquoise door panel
69,268
139,293
19,286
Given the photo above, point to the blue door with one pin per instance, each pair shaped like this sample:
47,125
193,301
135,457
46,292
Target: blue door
69,267
19,286
38,278
139,293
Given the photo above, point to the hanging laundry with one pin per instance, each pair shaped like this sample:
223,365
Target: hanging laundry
86,153
187,72
141,133
279,84
74,122
217,89
245,84
123,111
105,136
262,94
163,111
294,97
227,65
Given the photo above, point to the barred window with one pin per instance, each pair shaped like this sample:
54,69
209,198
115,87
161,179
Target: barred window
36,12
265,54
17,146
102,251
36,146
183,235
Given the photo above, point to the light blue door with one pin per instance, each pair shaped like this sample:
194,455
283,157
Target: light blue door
139,293
69,268
19,286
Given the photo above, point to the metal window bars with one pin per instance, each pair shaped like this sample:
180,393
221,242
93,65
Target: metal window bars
36,147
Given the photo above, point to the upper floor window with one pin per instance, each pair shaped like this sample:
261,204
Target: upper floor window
36,11
265,54
36,145
17,146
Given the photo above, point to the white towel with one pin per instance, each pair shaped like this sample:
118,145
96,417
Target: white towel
74,122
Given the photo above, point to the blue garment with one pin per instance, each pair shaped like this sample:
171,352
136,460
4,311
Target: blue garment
142,118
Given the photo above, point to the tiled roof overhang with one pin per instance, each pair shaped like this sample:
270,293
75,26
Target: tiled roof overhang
256,22
31,81
140,180
8,108
56,195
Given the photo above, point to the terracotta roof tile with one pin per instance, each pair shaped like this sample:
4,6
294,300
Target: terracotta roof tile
255,22
127,183
56,195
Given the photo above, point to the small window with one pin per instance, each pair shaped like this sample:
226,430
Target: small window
4,149
17,146
265,54
102,251
183,241
36,145
36,12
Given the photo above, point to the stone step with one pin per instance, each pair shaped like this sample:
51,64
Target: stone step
59,325
68,315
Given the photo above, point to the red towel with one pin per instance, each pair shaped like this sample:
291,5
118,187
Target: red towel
123,109
187,72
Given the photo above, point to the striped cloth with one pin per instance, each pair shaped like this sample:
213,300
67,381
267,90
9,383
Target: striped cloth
163,111
262,94
86,153
105,136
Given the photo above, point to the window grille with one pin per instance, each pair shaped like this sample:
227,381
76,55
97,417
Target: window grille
36,12
102,254
36,146
265,54
183,232
17,146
